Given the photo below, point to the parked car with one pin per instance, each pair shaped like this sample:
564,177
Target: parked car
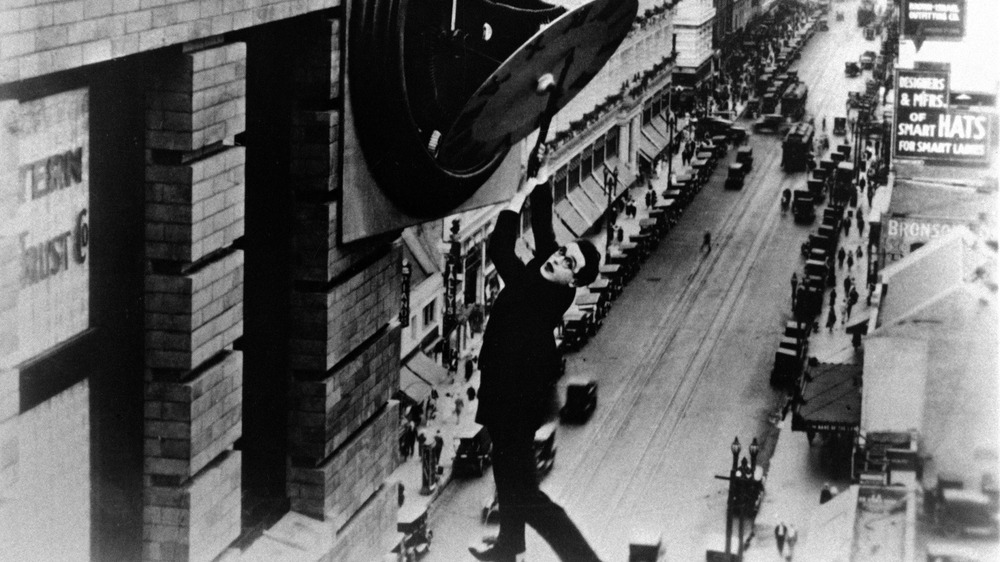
772,122
581,400
473,451
867,60
851,69
713,126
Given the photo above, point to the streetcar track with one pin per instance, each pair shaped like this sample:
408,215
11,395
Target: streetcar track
671,323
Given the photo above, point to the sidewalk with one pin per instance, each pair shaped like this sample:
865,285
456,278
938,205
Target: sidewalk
796,473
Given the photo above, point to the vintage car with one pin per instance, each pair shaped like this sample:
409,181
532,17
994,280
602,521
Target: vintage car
473,451
737,172
867,60
851,69
744,155
581,400
771,122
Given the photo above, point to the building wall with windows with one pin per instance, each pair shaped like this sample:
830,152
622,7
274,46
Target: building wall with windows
173,287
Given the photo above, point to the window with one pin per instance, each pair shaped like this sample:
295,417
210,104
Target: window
560,185
574,173
647,114
430,313
656,105
586,163
611,146
599,152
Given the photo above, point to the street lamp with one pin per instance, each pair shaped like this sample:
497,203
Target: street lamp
745,486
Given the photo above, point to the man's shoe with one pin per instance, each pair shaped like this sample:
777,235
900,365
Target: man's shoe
493,554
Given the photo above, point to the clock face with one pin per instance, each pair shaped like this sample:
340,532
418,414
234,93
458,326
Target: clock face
441,89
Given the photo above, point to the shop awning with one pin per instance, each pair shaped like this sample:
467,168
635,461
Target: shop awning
581,201
830,536
572,218
831,399
651,142
593,188
418,375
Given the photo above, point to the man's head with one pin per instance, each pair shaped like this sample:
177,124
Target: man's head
574,264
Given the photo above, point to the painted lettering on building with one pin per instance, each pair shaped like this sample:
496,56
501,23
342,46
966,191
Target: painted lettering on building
53,220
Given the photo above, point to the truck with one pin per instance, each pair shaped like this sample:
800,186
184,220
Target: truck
793,102
797,147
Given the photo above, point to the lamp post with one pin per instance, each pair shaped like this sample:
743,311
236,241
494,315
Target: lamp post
610,186
744,488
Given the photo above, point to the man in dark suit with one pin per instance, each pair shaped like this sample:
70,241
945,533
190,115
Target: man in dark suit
519,364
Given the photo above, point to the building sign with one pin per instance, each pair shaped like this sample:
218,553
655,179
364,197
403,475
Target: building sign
927,128
903,235
52,220
933,19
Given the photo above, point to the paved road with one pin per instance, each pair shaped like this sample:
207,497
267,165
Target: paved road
682,361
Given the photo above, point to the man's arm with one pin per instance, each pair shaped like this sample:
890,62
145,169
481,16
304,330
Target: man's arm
500,247
541,221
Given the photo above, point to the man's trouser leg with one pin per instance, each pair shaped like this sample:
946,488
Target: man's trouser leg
522,502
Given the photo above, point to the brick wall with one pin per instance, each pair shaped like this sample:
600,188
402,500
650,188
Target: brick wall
195,193
370,534
188,424
325,412
328,325
40,38
196,521
334,490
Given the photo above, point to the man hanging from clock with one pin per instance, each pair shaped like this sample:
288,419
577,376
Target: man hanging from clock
519,364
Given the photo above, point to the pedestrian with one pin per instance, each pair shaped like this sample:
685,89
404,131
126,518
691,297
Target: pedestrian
859,253
790,539
860,222
780,532
650,197
833,297
825,494
840,257
459,404
400,494
470,393
620,234
871,291
795,283
845,225
853,296
850,261
831,318
706,242
848,305
438,447
847,284
518,366
411,438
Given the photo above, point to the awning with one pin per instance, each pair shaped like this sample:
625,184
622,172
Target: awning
573,220
652,142
418,375
831,399
859,325
590,211
593,188
830,535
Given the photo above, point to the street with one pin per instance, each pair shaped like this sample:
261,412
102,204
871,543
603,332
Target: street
683,358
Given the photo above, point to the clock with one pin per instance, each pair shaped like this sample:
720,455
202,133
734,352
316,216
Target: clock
442,89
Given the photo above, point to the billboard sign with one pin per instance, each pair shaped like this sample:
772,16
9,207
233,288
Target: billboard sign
933,19
927,128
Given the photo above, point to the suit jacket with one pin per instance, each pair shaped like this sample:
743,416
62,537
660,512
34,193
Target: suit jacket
519,359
